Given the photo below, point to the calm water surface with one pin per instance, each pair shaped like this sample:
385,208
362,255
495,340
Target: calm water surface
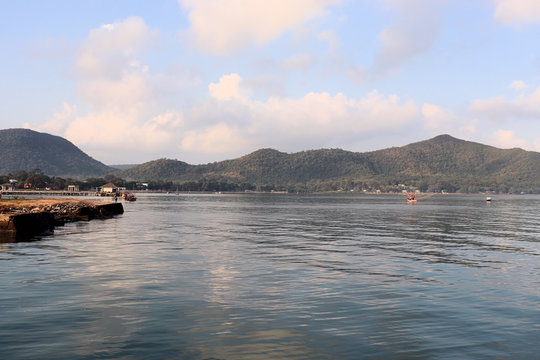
280,277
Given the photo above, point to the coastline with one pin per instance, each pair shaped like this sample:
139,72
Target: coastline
26,217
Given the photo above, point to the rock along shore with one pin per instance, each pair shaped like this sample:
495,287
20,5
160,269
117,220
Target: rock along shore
37,216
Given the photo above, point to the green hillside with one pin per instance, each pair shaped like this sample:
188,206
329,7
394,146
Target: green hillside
441,163
27,150
161,169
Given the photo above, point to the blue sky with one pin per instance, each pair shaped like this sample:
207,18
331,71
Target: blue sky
209,80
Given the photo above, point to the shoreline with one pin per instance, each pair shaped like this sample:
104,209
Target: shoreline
27,217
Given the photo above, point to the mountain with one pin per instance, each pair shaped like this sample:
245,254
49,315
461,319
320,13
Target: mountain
161,169
463,163
27,150
122,166
441,163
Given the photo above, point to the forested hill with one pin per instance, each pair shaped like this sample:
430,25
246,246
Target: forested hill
441,163
23,149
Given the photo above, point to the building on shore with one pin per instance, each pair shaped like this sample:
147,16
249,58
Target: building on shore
7,187
73,188
109,188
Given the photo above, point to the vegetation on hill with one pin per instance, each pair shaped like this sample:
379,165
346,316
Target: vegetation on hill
161,169
24,149
440,164
37,180
122,166
443,163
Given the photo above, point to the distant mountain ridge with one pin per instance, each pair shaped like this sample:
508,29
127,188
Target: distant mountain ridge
441,162
23,149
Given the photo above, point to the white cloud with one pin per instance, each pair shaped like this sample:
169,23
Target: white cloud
227,88
124,121
225,26
436,116
518,85
124,114
124,118
439,120
507,139
265,85
130,89
216,139
517,11
415,30
123,130
522,107
519,113
111,47
293,124
60,119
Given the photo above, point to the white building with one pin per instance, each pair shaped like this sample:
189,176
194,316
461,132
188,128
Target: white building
7,187
109,188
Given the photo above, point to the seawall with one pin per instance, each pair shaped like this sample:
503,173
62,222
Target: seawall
33,217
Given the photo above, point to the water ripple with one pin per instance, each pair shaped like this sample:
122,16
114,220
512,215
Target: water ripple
274,277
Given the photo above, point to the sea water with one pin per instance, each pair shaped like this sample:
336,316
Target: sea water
253,276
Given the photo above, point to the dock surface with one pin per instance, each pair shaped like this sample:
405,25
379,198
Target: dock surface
36,216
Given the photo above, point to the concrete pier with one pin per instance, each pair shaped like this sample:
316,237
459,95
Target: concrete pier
37,216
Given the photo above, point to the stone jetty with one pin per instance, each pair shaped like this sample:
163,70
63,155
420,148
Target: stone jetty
37,216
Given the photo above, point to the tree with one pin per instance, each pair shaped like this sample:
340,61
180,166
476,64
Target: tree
58,183
38,180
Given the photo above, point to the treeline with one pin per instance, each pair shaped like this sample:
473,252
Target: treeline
36,179
200,185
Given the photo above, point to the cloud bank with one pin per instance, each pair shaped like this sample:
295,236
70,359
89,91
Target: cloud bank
225,26
228,119
516,12
123,112
126,111
523,107
521,112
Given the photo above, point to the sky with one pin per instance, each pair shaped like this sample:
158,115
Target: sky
131,81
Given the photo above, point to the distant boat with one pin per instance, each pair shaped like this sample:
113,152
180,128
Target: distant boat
411,198
488,199
128,197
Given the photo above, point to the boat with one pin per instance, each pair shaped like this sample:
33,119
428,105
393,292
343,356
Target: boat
411,198
128,197
488,199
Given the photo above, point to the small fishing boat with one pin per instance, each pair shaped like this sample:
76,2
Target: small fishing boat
488,199
411,198
128,197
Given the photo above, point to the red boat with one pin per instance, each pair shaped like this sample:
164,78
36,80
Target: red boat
411,198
